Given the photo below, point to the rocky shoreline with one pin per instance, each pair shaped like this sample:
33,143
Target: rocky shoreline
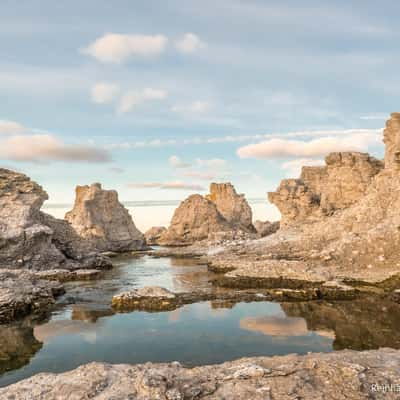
339,239
336,376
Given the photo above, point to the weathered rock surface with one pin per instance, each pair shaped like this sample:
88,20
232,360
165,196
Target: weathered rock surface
265,228
340,375
320,191
154,234
347,232
100,219
32,239
391,138
220,216
195,219
23,293
232,206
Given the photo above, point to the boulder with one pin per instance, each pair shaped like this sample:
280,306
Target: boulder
154,234
265,228
195,219
101,220
23,293
232,206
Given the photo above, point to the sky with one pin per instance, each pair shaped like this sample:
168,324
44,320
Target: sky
156,99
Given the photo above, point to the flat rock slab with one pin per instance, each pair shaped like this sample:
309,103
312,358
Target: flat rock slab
160,299
23,293
64,275
332,376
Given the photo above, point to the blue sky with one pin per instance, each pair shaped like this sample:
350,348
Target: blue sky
156,99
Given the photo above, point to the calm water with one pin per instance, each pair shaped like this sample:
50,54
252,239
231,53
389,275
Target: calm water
83,328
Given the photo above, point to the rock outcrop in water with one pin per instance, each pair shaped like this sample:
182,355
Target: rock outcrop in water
32,239
23,293
101,220
333,376
222,214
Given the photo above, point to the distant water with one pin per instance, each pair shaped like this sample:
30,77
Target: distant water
148,213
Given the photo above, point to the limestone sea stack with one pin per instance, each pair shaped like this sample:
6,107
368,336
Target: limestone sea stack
222,214
99,218
196,218
232,206
32,239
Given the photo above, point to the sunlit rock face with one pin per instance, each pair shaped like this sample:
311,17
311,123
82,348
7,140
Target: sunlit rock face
391,138
99,218
221,215
154,234
320,191
232,206
195,219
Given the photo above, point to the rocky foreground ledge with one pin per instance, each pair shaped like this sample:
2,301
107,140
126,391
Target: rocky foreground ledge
341,375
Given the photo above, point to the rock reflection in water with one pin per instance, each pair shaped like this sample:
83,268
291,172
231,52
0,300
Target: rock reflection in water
359,325
17,345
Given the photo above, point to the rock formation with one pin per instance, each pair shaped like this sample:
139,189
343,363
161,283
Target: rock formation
321,191
23,293
99,218
265,228
232,206
220,215
154,234
32,239
195,219
332,376
391,138
344,227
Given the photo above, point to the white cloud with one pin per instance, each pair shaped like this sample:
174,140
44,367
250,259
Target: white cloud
117,48
374,135
175,185
197,107
133,99
189,43
104,92
11,128
176,162
42,148
294,167
281,148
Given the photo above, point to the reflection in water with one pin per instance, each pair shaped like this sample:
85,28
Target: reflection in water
362,324
85,329
275,325
17,345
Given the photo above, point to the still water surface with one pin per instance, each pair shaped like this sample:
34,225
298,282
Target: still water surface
83,328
